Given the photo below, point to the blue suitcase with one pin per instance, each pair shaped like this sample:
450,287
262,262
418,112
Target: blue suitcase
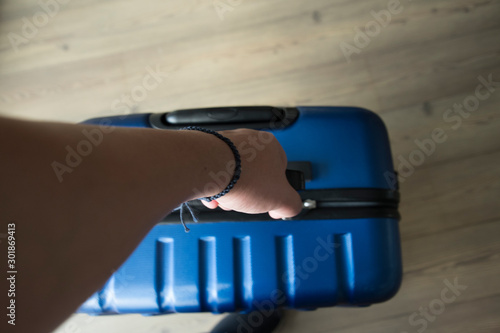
342,249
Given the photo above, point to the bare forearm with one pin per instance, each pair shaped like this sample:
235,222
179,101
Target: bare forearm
77,226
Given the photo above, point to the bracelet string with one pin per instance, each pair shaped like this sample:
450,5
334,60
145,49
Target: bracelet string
229,187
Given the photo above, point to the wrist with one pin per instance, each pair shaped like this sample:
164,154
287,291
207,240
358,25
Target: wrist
222,176
215,164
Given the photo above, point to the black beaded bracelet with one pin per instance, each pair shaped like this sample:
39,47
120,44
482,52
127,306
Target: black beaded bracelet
237,159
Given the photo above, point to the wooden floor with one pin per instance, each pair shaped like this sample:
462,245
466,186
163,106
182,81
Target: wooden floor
429,56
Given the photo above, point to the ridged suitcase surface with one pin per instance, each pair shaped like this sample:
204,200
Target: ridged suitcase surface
344,247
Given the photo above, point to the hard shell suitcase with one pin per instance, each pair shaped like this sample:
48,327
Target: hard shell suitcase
342,249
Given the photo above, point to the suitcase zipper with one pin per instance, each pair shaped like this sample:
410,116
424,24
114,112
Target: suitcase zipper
325,204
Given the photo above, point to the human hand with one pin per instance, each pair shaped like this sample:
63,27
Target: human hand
263,186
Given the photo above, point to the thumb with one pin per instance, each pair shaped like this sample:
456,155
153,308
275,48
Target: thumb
290,205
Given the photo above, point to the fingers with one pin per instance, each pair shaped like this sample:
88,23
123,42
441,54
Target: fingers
213,204
290,207
210,204
224,208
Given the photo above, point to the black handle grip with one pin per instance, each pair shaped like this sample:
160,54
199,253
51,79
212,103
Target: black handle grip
225,115
224,118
